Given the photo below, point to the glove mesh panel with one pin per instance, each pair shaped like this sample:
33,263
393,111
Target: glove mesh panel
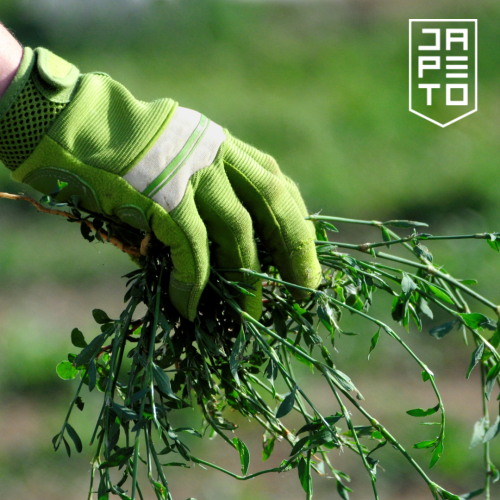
25,124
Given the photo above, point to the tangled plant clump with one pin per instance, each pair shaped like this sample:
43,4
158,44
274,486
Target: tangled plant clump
150,366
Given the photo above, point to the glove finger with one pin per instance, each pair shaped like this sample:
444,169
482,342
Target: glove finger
297,197
270,164
230,231
263,159
278,219
188,244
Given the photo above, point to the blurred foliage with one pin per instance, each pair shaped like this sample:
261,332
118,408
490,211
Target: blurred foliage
322,86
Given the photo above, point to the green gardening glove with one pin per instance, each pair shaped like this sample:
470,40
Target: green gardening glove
159,167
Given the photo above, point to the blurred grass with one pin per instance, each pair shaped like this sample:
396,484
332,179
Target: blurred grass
322,86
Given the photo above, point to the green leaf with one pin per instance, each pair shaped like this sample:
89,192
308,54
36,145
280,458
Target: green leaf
61,185
164,323
425,376
279,322
267,448
425,444
424,307
297,447
326,356
244,454
472,494
163,382
188,430
54,441
271,370
322,437
160,490
66,370
102,492
361,431
380,283
305,476
491,378
343,490
318,424
113,435
311,338
373,342
66,445
437,454
120,456
422,251
468,282
398,308
495,339
475,358
210,345
299,357
287,405
440,331
493,372
75,437
124,413
86,232
90,351
476,320
419,412
77,338
79,403
355,302
415,316
100,316
478,433
342,379
448,496
320,231
329,226
102,384
439,293
407,284
492,431
386,236
325,315
237,355
405,224
495,474
493,243
92,373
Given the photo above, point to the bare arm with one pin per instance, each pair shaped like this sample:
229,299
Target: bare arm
11,53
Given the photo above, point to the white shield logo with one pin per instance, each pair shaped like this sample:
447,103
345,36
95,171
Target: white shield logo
443,69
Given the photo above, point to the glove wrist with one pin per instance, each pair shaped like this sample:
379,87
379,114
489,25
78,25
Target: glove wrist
18,83
42,86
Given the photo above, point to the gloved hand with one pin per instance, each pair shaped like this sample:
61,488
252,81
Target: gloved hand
159,167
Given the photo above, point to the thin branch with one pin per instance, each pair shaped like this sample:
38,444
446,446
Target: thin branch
365,247
124,247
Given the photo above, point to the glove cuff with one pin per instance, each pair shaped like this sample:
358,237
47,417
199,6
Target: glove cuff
19,81
41,88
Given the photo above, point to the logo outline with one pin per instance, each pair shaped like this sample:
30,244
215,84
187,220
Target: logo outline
475,71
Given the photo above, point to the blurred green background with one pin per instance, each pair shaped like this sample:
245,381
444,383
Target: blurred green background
322,86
